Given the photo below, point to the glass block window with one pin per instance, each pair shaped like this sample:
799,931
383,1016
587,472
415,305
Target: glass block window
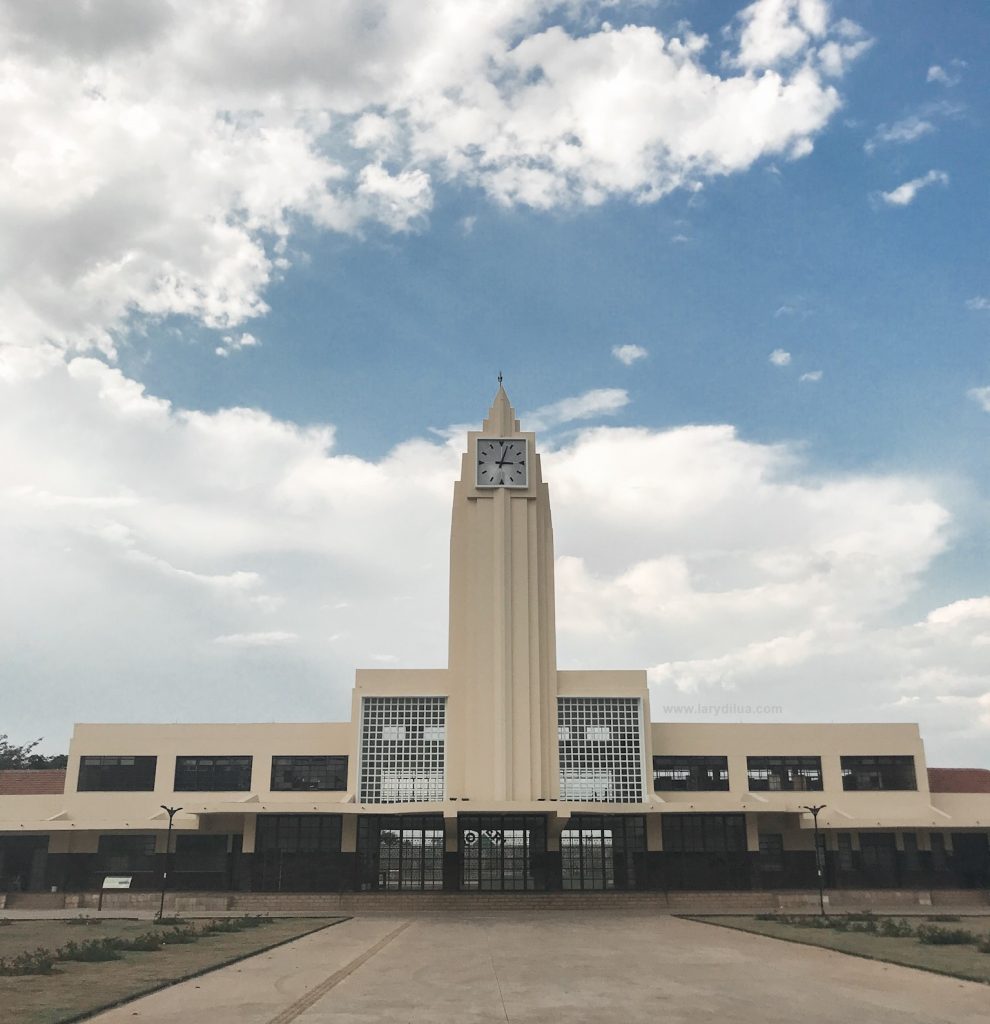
402,749
784,774
323,772
117,774
601,751
690,773
212,774
892,771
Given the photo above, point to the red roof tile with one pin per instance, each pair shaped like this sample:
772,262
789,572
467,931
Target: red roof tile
959,780
31,781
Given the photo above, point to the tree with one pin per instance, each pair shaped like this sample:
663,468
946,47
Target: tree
14,755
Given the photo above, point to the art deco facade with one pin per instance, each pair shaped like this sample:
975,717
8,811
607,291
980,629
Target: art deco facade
499,772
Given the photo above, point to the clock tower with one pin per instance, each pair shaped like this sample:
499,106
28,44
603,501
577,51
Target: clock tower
502,743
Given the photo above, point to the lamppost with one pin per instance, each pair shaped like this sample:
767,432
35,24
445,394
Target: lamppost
814,810
171,812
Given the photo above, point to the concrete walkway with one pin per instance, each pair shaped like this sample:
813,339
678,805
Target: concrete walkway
539,967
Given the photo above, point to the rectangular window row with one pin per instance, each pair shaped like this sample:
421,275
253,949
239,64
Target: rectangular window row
220,774
782,774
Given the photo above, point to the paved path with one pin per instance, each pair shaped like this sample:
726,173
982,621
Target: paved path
533,967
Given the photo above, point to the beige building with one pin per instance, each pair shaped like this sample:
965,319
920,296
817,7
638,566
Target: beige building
499,772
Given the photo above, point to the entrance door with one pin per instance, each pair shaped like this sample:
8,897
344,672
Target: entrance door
23,860
502,852
971,855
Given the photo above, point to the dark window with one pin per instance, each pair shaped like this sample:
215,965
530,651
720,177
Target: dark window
212,774
784,773
771,851
600,851
125,854
200,853
845,848
704,833
117,774
298,833
690,773
893,771
323,773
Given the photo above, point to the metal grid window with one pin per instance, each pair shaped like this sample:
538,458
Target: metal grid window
401,851
690,773
298,833
212,774
598,851
601,751
125,854
402,749
780,774
117,774
502,852
326,772
891,771
704,833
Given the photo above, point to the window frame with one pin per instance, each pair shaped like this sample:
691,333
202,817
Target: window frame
860,768
207,777
790,768
700,770
330,777
100,778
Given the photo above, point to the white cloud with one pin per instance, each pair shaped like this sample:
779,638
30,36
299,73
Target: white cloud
272,638
236,342
812,376
981,396
156,162
937,73
908,129
780,358
628,354
211,555
590,405
905,194
978,302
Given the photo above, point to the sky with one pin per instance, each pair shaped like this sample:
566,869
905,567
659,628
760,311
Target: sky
261,263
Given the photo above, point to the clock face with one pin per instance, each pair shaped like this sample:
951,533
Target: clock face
501,462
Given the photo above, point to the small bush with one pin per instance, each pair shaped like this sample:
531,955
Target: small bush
893,929
5,922
984,945
943,917
86,921
40,961
252,921
146,942
862,915
179,936
170,920
932,936
90,951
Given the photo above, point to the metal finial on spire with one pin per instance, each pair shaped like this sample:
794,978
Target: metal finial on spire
499,378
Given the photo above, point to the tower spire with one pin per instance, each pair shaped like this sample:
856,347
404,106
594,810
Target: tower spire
501,419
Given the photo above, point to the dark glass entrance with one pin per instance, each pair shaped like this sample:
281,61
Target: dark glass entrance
298,853
600,851
401,851
502,852
22,863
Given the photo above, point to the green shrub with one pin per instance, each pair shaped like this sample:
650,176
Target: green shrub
179,936
40,961
252,920
5,922
170,920
862,915
90,951
221,926
893,929
943,917
932,936
146,942
984,945
87,921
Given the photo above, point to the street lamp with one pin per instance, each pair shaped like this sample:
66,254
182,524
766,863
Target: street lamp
814,810
171,812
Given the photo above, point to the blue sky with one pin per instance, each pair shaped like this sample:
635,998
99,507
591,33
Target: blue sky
379,213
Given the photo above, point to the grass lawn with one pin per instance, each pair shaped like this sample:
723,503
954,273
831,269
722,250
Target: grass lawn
958,961
74,988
